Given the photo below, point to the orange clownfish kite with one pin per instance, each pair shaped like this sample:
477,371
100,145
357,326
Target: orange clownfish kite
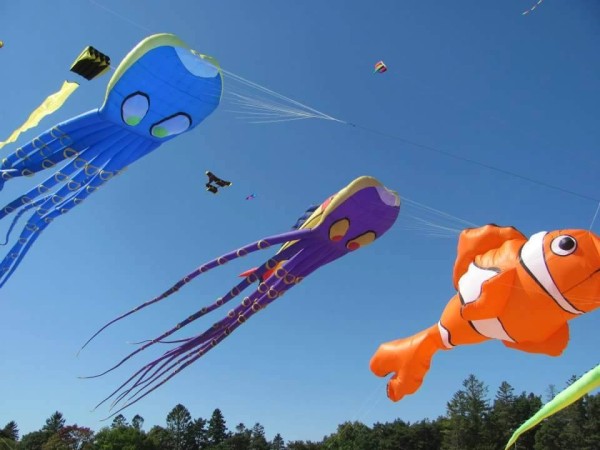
518,290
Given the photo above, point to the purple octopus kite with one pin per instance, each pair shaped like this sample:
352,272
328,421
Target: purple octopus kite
354,217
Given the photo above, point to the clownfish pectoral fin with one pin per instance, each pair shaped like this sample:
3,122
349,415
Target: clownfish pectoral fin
493,299
553,346
477,241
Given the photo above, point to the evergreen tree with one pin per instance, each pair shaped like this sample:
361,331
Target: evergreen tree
302,445
258,440
119,422
425,435
54,423
199,434
467,414
277,443
179,426
10,431
391,436
241,439
349,436
217,430
137,422
159,437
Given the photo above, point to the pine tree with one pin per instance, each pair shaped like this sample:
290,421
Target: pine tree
137,422
179,425
217,430
277,443
258,441
467,413
54,423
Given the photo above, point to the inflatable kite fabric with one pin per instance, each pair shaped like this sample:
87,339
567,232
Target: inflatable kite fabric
520,291
380,67
353,218
586,384
161,89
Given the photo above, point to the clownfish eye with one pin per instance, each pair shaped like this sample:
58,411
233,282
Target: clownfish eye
175,124
134,108
563,245
361,241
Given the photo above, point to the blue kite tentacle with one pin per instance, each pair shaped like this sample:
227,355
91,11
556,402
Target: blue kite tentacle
20,213
58,203
57,144
241,252
63,175
48,157
187,355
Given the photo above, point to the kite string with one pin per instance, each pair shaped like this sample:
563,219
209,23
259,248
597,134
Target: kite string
399,138
473,161
116,14
391,136
527,11
595,216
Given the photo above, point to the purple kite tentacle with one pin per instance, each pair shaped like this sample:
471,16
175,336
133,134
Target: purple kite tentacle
191,356
231,294
20,213
248,307
143,371
289,268
290,263
215,329
243,251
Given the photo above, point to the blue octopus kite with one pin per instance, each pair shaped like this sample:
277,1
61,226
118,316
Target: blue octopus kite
161,89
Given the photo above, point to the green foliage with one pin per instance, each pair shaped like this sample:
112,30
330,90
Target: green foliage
277,443
34,440
123,438
10,431
472,422
217,430
54,423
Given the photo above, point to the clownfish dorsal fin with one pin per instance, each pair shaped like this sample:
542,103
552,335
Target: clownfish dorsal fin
477,241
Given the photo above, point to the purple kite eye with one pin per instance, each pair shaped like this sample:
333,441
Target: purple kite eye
339,229
361,241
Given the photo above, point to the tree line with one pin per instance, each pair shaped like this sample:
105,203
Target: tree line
472,421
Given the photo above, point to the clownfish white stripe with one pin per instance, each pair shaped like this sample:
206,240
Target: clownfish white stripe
532,258
469,288
445,335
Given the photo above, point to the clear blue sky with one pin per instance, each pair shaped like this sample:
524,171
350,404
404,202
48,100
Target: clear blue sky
473,78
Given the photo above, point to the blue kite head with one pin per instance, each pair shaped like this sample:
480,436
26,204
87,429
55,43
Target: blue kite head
162,88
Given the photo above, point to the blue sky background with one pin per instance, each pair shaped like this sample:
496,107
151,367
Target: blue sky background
474,78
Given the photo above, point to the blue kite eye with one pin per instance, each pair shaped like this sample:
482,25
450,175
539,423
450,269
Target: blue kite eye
171,125
134,108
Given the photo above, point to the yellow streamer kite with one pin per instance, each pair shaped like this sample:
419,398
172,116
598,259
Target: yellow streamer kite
48,106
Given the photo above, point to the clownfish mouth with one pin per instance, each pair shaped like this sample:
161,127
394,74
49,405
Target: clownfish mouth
586,293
